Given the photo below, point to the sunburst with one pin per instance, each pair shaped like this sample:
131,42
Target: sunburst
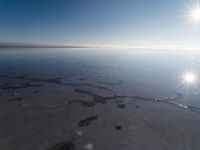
193,14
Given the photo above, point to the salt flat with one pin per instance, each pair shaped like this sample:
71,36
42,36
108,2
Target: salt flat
96,99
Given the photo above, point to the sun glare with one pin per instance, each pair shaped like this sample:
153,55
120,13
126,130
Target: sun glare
190,81
190,78
195,15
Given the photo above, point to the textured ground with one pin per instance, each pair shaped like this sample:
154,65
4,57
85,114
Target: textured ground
83,114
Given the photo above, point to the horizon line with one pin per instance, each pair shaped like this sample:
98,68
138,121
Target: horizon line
128,46
29,45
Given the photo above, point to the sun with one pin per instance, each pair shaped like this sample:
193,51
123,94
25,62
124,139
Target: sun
195,14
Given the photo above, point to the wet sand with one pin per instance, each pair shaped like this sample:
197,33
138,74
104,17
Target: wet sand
93,111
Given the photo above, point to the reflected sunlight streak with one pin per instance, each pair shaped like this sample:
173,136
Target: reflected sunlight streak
190,78
190,81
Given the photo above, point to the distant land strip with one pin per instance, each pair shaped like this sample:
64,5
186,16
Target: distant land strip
21,45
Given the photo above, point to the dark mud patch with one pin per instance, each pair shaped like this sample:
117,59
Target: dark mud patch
118,128
87,121
66,145
16,99
122,106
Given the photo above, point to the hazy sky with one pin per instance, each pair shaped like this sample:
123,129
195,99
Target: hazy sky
101,22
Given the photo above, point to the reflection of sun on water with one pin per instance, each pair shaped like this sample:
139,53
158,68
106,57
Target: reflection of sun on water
190,81
189,78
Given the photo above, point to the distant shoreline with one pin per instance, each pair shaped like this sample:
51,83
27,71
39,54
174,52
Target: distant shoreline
10,45
19,45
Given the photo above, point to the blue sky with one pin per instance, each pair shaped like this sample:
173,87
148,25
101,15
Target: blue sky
97,22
